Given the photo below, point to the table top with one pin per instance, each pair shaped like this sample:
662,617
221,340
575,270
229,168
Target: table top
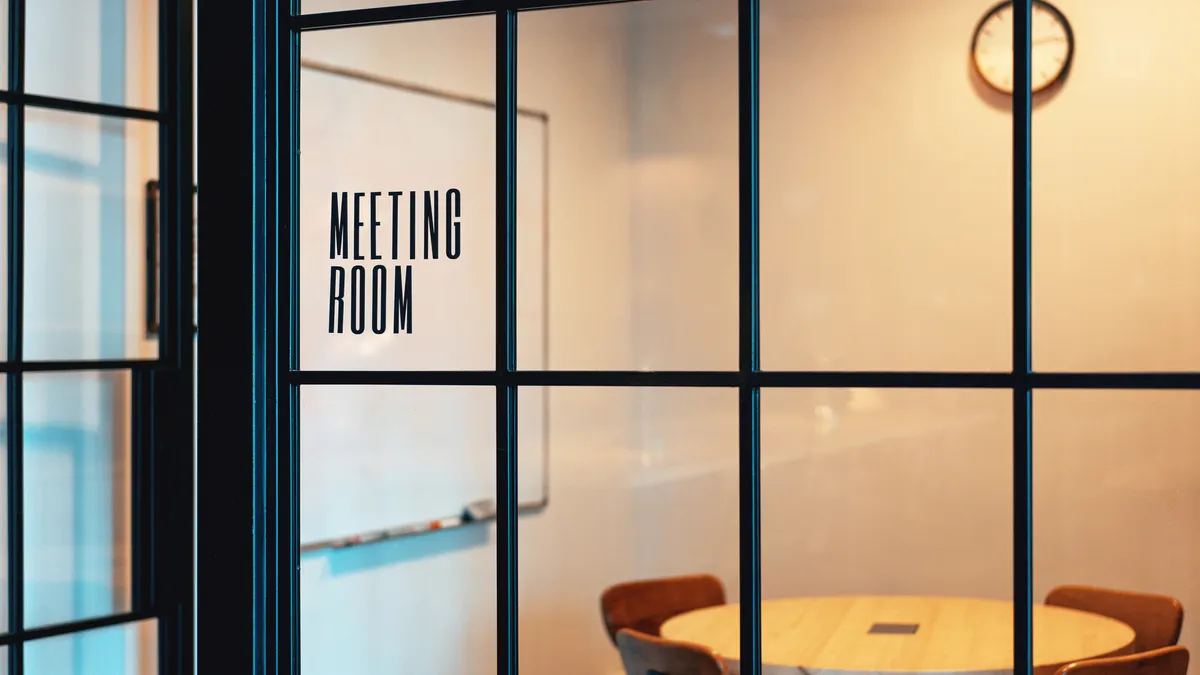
891,634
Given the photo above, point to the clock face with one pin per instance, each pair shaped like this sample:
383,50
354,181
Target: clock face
992,48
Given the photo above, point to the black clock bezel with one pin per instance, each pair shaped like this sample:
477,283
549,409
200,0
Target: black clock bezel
1062,18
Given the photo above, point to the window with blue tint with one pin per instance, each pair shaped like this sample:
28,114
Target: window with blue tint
99,51
97,464
85,189
77,480
128,649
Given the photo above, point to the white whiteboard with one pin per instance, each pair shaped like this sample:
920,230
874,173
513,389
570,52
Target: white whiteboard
376,457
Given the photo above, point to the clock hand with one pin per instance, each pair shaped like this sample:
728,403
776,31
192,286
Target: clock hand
1042,41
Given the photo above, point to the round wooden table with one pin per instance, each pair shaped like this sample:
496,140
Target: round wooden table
893,634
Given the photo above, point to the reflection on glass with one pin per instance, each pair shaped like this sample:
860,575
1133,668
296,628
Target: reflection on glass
101,51
1117,493
77,477
4,10
886,190
85,260
397,197
375,459
4,221
644,487
3,509
1115,243
642,104
885,492
117,650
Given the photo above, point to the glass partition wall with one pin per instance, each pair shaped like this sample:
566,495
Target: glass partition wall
880,324
96,535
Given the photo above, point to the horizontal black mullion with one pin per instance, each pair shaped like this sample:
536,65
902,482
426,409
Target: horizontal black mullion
625,378
450,378
400,14
449,9
59,629
73,105
563,4
884,379
770,379
1179,380
524,378
58,366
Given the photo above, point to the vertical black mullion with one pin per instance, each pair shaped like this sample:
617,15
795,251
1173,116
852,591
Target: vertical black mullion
749,448
230,396
276,473
142,490
266,470
158,552
286,344
170,544
506,346
16,293
1022,359
168,197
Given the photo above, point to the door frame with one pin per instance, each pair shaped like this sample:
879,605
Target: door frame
248,526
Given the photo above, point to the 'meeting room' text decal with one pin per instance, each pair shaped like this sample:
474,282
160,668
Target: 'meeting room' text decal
377,292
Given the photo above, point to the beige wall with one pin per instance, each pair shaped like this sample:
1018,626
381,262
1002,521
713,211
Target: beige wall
886,216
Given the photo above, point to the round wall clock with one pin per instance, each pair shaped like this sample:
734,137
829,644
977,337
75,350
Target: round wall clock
992,46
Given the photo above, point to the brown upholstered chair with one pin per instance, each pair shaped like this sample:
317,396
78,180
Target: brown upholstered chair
645,605
1165,661
649,655
1156,619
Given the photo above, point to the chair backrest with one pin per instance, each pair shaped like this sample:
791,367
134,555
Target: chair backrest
645,605
644,654
1166,661
1157,619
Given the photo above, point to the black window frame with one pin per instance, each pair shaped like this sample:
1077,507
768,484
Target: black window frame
161,419
253,464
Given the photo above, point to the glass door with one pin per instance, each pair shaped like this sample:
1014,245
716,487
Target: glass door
97,457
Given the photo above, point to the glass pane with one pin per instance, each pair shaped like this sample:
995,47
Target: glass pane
397,197
887,512
381,459
103,51
3,72
3,510
3,225
1116,250
642,203
86,188
126,649
1116,507
886,190
315,6
77,487
643,487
